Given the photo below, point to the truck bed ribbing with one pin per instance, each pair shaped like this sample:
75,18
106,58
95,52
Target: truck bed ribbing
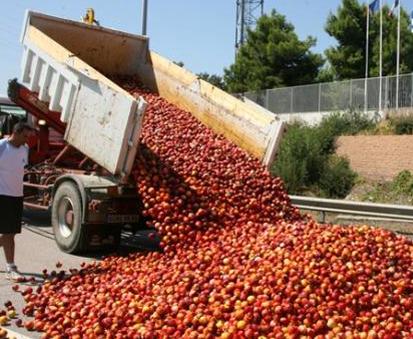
98,114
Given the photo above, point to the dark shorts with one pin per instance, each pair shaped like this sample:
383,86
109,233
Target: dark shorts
11,209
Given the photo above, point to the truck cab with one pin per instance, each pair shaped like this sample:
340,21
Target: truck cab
10,114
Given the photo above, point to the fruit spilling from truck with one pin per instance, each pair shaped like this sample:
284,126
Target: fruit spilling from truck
236,260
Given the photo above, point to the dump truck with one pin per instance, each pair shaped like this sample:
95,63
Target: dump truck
88,127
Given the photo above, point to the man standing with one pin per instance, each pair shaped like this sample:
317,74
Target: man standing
13,159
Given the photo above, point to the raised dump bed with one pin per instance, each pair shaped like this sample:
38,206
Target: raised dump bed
103,121
88,56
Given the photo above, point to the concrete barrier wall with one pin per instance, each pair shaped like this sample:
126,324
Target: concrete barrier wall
314,118
310,118
377,157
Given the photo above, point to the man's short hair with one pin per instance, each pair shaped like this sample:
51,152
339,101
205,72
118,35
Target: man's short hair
22,126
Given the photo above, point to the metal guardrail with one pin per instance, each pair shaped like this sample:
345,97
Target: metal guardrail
395,212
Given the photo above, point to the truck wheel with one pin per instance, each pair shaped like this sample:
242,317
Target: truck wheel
67,218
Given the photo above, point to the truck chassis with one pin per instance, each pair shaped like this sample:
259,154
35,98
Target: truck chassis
89,207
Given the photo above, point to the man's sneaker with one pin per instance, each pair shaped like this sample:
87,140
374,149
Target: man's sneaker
14,274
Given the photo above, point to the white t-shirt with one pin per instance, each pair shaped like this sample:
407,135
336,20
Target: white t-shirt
12,162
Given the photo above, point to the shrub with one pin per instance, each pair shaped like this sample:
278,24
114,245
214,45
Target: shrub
337,178
305,160
348,123
402,124
303,164
403,183
384,127
299,158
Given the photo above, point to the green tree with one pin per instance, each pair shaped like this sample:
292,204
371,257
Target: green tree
348,27
390,43
273,56
326,74
213,79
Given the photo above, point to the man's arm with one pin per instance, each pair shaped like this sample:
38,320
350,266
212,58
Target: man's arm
27,155
3,145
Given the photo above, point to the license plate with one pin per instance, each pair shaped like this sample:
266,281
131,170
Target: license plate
121,218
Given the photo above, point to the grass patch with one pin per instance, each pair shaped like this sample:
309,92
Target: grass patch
397,191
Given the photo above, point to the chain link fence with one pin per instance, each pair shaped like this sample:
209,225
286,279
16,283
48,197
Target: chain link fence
338,96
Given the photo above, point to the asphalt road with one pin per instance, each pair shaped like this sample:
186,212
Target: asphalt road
36,250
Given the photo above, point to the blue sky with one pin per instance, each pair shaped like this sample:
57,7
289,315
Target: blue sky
197,32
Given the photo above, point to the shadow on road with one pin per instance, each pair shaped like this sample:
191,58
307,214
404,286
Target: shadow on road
36,218
39,222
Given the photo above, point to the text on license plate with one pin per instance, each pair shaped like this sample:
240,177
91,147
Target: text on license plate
121,218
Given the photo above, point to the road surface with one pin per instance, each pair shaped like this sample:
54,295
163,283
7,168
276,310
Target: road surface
36,250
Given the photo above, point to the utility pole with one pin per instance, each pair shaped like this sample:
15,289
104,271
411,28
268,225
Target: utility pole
366,106
381,59
144,16
248,12
398,55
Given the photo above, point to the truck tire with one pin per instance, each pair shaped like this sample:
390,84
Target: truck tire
69,234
